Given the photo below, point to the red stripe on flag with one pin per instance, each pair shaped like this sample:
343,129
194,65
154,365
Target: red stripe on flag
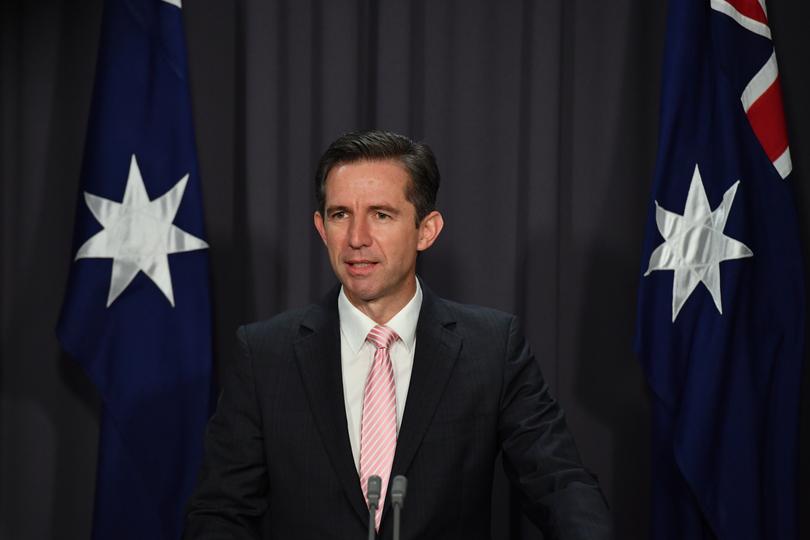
767,119
751,9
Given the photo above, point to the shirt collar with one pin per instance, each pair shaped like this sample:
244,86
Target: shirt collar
355,325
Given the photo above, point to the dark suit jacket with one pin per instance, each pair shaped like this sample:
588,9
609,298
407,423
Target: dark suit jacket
278,462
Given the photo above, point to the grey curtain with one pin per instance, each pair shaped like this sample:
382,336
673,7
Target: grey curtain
543,116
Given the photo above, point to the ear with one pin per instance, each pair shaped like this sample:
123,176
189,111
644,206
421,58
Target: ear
318,219
429,230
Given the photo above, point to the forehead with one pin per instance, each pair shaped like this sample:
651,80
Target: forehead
386,178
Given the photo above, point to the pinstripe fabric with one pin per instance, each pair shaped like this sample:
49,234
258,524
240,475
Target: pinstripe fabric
378,427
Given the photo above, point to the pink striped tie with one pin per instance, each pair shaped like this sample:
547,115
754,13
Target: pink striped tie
378,428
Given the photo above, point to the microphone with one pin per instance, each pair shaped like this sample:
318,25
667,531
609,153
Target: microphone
373,490
398,489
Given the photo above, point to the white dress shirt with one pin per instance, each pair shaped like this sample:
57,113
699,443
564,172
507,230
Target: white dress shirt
357,354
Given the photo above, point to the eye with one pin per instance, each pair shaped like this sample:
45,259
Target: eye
338,214
382,216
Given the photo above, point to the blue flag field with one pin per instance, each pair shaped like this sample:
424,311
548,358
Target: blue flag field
721,300
136,313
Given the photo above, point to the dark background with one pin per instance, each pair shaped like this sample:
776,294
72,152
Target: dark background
543,116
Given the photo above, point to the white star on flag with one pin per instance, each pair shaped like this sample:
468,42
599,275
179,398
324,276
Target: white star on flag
138,234
694,244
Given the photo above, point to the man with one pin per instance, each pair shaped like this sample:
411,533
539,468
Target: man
385,378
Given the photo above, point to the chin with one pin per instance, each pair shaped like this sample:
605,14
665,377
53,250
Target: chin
363,294
358,289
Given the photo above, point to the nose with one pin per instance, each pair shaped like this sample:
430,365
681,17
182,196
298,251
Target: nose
359,234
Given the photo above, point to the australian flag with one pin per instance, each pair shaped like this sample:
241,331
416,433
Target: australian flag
136,313
721,300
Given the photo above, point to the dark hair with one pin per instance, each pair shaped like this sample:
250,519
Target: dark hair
417,158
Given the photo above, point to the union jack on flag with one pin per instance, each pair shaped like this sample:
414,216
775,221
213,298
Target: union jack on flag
762,96
721,297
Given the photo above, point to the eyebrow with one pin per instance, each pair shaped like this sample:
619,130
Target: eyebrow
332,209
374,208
384,208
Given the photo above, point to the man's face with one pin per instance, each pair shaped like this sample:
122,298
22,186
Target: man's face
369,229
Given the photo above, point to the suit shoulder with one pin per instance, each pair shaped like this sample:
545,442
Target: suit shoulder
487,333
283,320
275,330
474,317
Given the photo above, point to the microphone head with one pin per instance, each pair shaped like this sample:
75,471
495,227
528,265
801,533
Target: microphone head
398,490
374,488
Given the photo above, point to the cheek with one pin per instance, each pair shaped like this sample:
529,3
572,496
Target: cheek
404,246
333,244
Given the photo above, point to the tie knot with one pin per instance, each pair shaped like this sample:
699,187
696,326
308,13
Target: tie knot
382,337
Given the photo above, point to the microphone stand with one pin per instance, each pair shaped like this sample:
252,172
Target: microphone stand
373,491
398,490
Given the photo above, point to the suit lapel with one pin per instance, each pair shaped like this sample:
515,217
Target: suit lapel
317,352
437,349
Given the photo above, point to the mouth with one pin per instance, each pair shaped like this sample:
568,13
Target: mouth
360,267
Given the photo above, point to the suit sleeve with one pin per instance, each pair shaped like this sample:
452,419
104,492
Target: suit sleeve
539,454
231,495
